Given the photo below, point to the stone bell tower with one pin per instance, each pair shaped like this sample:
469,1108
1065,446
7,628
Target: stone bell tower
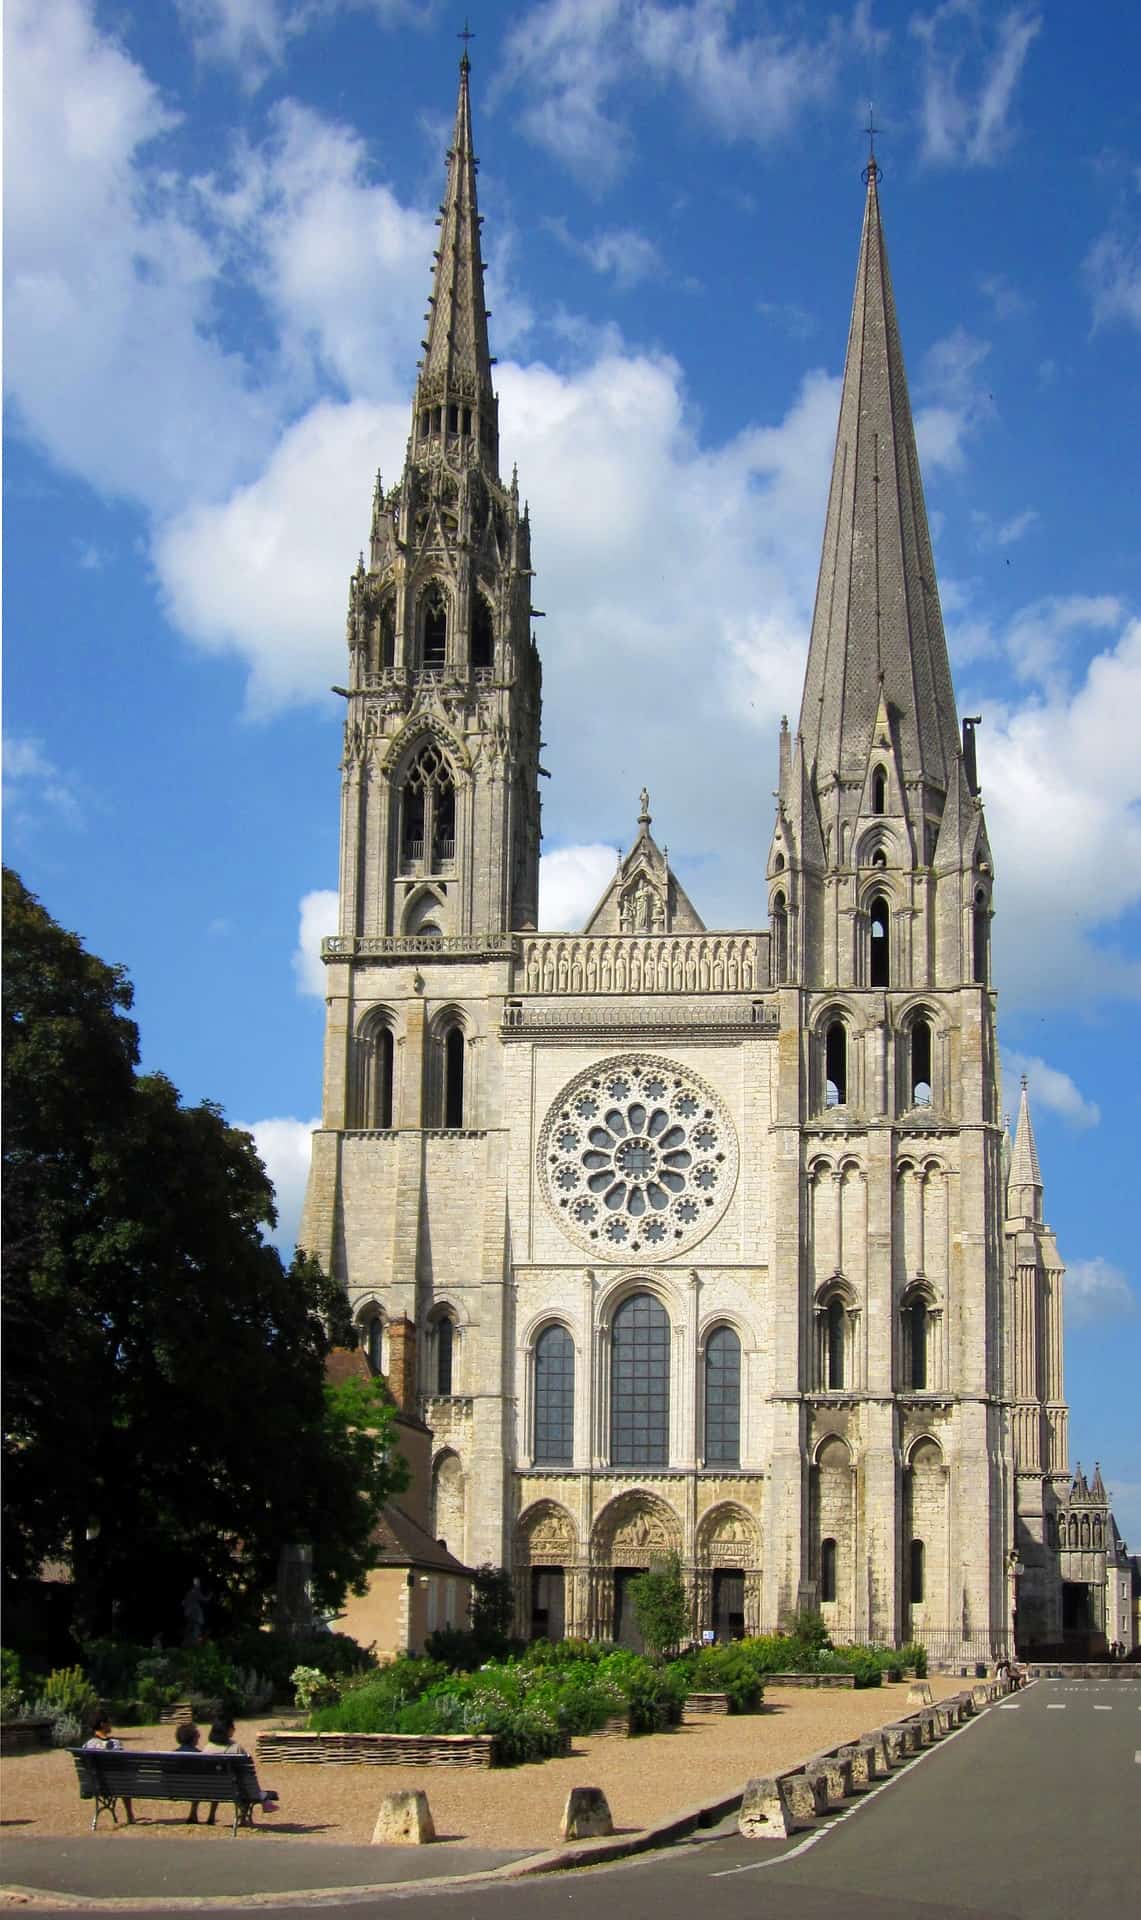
889,1148
440,811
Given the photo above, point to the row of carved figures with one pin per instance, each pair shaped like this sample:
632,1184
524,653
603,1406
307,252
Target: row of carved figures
692,964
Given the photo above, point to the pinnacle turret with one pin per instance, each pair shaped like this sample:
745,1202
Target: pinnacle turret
1024,1176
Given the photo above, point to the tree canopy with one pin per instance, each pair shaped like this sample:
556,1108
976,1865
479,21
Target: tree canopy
166,1412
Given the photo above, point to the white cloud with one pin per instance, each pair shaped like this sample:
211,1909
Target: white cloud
1062,787
971,68
1112,273
1048,1087
34,785
317,917
252,35
571,883
623,252
574,59
1095,1290
284,1147
954,403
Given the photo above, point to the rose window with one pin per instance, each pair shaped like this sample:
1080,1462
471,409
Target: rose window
638,1157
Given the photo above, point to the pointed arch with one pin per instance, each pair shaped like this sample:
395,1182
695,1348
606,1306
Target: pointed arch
779,916
374,1069
879,942
433,621
482,632
879,790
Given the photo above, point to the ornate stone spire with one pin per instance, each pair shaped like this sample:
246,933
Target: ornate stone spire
456,369
1024,1178
877,632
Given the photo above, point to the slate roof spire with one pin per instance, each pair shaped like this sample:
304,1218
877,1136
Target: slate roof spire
457,363
877,630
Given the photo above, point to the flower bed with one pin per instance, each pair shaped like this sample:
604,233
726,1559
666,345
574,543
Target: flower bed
384,1749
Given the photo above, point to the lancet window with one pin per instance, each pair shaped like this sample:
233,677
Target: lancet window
723,1398
434,628
554,1397
780,939
980,969
640,1383
879,926
836,1064
453,1102
482,633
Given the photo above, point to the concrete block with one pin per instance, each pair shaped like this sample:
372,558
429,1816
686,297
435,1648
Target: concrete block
948,1715
859,1759
919,1694
404,1819
586,1814
981,1695
879,1764
806,1794
837,1774
894,1745
765,1812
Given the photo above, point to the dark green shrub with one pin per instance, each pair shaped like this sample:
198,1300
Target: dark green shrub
661,1607
730,1670
914,1655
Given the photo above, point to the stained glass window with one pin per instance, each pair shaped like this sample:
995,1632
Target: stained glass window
723,1398
554,1397
640,1384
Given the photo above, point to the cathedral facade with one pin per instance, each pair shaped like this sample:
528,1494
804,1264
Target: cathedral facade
711,1242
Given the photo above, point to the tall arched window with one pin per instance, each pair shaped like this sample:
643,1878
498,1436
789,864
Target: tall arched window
554,1397
723,1398
428,811
879,925
980,968
827,1570
454,1077
374,1343
879,791
917,1345
435,628
921,1063
780,940
917,1572
482,633
445,1342
375,1060
640,1384
835,1342
836,1064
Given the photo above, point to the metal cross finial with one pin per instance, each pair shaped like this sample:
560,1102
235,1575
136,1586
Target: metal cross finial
872,170
465,36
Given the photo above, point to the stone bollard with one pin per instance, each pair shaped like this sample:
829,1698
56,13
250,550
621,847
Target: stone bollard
948,1715
586,1814
894,1745
765,1813
879,1766
981,1696
404,1820
919,1694
928,1724
908,1737
806,1795
837,1774
965,1702
859,1759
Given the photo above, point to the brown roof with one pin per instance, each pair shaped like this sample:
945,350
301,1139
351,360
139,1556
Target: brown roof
400,1541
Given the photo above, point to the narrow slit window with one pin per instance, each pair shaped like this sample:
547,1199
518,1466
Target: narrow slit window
780,940
879,925
835,1343
917,1331
836,1064
921,1064
827,1570
435,629
387,648
374,1345
445,1354
482,634
454,1078
918,1572
723,1398
980,968
385,1053
879,791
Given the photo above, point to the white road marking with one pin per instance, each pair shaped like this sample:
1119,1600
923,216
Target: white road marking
1098,1709
1055,1706
1009,1706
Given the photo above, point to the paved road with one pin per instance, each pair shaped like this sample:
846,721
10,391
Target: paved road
1028,1813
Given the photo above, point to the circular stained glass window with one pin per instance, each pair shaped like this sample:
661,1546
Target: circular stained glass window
638,1155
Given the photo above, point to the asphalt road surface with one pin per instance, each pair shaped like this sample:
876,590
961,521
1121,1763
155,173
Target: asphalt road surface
1030,1812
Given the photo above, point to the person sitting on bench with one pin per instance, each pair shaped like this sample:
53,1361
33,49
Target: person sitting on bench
102,1741
222,1741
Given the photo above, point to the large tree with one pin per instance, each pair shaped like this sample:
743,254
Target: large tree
165,1405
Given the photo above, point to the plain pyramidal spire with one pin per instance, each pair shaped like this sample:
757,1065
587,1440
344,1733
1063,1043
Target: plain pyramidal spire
877,628
1024,1178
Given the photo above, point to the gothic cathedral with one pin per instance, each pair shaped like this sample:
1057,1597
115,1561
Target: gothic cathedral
677,1239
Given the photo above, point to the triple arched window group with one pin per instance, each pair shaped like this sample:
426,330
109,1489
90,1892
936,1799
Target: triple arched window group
639,1403
435,643
374,1093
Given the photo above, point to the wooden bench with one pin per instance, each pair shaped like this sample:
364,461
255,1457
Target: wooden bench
106,1776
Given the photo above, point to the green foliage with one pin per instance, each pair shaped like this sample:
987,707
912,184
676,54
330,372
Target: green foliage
914,1655
565,1653
731,1670
660,1606
11,1683
312,1688
166,1413
67,1690
809,1629
492,1602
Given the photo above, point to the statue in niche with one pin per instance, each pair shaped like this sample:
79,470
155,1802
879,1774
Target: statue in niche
640,910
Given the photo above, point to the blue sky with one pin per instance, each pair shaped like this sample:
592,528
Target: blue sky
219,224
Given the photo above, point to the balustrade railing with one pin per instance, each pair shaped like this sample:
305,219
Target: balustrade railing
643,963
